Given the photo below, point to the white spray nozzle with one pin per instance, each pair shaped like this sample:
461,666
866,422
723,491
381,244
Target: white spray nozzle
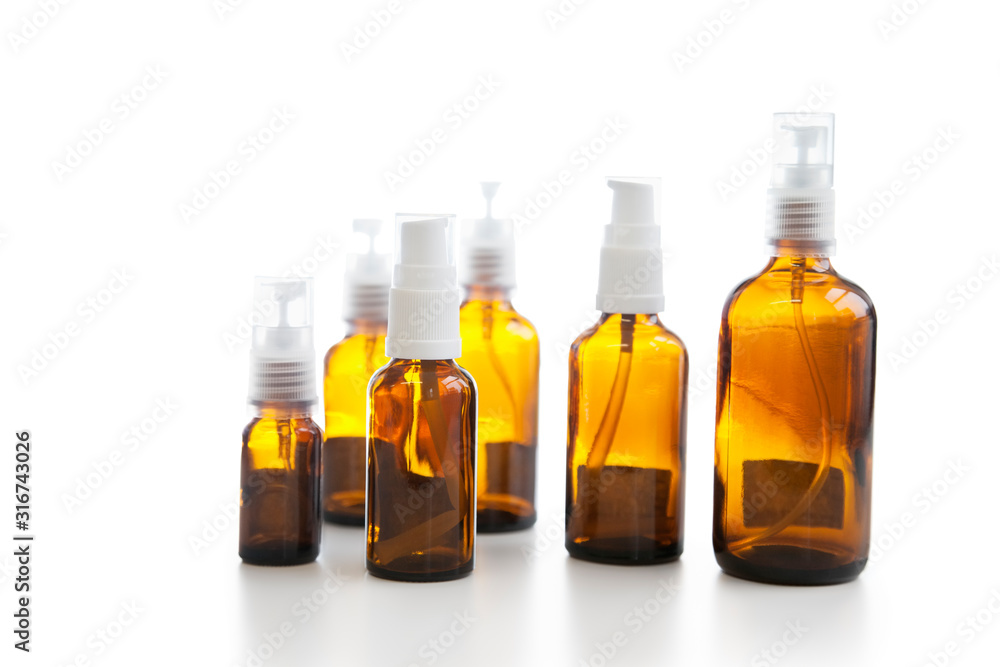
633,203
631,273
490,189
800,201
423,301
281,352
487,257
368,227
369,272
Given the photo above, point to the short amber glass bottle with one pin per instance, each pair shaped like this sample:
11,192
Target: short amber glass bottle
793,447
279,487
627,429
500,349
280,463
421,471
348,367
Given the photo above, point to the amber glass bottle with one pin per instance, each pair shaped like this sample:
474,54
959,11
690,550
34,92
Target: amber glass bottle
279,494
796,382
500,349
627,402
421,496
421,472
793,454
349,365
280,463
627,427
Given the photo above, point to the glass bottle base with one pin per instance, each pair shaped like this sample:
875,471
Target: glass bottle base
425,575
625,551
497,520
278,554
345,518
794,566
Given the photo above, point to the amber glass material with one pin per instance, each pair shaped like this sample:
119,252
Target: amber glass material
280,488
348,367
421,471
627,429
793,444
500,350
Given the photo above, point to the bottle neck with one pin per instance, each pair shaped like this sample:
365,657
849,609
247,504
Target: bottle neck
801,262
275,410
486,293
362,327
639,319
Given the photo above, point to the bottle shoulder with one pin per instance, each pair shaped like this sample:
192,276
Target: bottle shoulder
265,426
404,374
352,351
648,335
767,298
506,320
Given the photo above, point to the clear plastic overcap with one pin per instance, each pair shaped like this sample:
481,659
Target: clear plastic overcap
799,218
487,257
281,352
803,155
369,273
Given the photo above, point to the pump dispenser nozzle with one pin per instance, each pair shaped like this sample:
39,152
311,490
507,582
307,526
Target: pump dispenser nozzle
282,368
800,201
631,274
488,247
369,273
423,300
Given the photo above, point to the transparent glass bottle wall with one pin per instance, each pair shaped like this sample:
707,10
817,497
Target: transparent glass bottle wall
348,367
626,449
279,487
793,455
421,471
500,349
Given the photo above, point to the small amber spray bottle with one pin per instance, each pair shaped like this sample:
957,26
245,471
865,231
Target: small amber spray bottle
421,510
348,367
627,401
793,439
500,349
279,476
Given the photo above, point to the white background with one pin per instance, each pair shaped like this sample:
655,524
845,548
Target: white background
133,539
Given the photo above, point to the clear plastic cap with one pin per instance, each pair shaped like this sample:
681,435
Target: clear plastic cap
799,218
487,256
803,155
281,351
369,273
424,300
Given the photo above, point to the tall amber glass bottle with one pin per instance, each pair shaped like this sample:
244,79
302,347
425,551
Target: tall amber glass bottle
422,421
793,455
627,403
348,367
280,462
500,348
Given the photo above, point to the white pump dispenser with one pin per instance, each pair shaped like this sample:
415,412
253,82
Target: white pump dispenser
631,274
424,299
487,257
800,201
282,357
368,276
